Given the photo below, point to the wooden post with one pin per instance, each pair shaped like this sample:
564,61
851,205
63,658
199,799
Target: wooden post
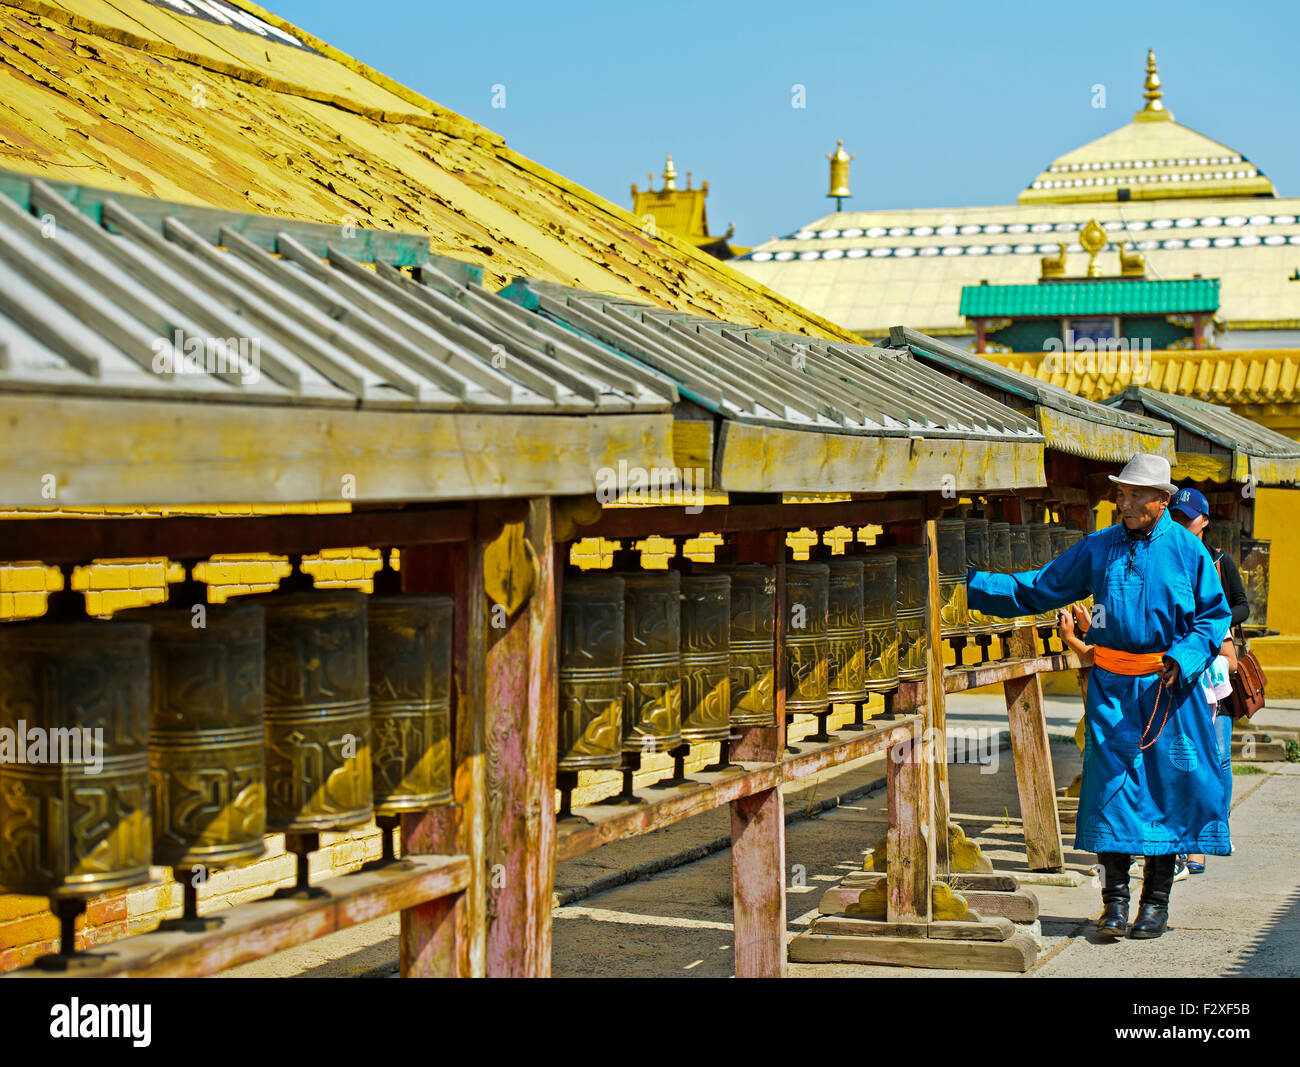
1035,778
446,938
934,721
758,821
520,731
910,844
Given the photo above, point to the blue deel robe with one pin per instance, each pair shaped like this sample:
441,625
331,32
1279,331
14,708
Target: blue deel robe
1157,593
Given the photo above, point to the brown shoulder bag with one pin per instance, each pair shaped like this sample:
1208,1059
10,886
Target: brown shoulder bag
1246,675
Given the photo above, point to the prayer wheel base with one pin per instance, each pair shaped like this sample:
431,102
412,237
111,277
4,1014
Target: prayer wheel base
68,959
859,723
388,825
190,921
301,845
822,735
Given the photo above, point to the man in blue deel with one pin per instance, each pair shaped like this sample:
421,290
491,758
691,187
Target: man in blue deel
1151,782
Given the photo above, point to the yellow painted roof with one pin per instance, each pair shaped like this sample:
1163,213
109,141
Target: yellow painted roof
869,270
139,97
1235,377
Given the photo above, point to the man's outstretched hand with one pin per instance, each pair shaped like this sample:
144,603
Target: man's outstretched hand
1169,675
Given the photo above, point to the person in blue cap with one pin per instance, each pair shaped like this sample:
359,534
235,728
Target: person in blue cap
1191,510
1151,779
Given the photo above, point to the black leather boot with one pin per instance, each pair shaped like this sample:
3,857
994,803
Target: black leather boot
1153,908
1114,895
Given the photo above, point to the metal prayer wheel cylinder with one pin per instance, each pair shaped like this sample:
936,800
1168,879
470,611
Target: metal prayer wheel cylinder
1022,559
207,743
1254,576
74,792
913,593
952,577
845,637
317,711
591,672
1000,547
706,657
807,649
1060,539
1040,542
409,651
652,669
1225,534
880,619
753,653
978,556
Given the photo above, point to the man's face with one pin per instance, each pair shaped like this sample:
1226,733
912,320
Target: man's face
1140,505
1196,524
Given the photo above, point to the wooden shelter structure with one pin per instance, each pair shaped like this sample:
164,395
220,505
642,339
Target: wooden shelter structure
471,431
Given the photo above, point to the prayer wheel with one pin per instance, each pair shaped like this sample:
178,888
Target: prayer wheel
409,651
1000,547
1022,559
1060,539
1254,576
74,791
753,653
913,591
1040,542
207,743
952,577
706,657
978,556
591,672
652,668
880,619
317,711
807,650
1225,534
846,647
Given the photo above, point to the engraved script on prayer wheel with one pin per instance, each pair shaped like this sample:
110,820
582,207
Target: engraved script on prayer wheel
952,576
978,556
652,679
999,560
753,653
74,793
409,642
844,633
706,657
880,618
317,711
807,651
1022,559
591,672
1040,541
913,591
207,744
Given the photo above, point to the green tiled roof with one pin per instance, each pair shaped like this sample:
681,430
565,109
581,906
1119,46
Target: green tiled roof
1091,298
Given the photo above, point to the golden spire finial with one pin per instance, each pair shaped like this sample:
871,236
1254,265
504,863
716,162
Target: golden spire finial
669,175
839,174
1154,110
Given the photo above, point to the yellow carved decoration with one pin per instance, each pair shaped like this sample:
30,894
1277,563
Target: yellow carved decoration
964,854
1054,266
1093,239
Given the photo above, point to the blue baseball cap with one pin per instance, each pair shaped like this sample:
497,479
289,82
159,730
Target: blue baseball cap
1190,502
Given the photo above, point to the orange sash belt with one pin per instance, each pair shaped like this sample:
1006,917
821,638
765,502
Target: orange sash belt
1118,662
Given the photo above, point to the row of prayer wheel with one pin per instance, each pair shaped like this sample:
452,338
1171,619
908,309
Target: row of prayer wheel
1001,547
652,659
307,710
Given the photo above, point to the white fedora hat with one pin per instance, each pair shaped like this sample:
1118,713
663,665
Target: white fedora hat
1146,470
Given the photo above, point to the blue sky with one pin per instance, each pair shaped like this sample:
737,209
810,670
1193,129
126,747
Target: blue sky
944,105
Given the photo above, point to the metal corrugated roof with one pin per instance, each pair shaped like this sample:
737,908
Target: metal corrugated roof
774,378
183,355
1272,457
1084,428
1092,298
95,306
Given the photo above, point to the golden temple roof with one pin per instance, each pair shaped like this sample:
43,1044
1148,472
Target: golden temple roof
254,114
1152,158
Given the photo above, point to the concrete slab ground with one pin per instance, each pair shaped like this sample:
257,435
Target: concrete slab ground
660,905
